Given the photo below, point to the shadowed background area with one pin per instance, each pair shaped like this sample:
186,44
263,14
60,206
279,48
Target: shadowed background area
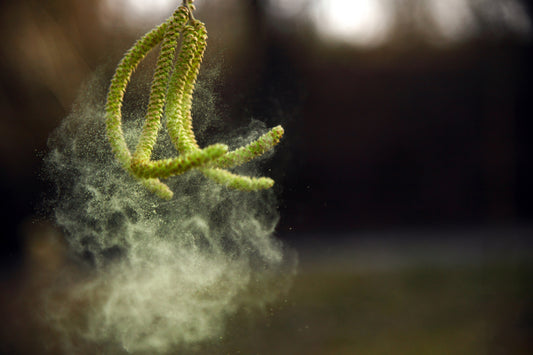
404,178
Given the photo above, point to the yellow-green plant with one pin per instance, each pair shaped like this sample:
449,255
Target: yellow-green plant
171,95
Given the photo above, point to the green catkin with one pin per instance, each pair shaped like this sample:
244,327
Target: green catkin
240,156
117,89
180,91
186,103
237,182
159,88
235,158
171,93
157,187
168,167
253,150
115,97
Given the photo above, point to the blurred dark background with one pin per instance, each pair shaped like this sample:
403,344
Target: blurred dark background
408,118
417,122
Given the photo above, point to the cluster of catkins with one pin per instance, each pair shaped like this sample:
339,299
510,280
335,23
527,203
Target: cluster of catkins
171,95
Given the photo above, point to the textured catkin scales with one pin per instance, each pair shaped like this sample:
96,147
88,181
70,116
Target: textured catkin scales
169,167
252,150
159,87
171,94
181,90
115,96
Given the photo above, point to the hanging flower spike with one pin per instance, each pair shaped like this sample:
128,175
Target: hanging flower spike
252,150
141,165
158,91
182,134
115,97
171,93
180,91
186,104
169,167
